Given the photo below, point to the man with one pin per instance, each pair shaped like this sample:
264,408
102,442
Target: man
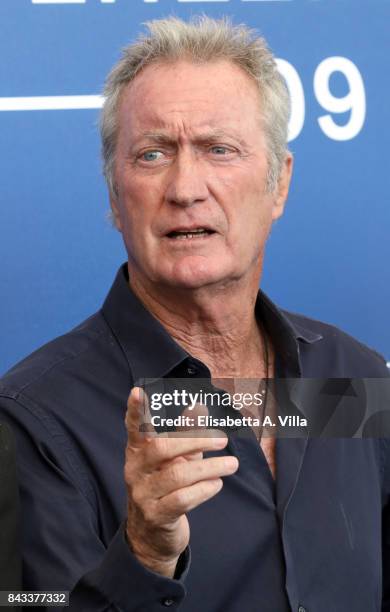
194,133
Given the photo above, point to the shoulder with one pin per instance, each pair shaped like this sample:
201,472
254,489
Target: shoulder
335,353
59,400
50,362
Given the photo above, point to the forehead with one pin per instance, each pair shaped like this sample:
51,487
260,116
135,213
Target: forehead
184,95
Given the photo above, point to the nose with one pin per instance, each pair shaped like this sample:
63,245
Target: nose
187,181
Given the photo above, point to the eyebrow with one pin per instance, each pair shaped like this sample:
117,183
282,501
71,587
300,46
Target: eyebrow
207,137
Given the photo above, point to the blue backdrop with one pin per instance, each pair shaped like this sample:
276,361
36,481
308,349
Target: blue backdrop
328,256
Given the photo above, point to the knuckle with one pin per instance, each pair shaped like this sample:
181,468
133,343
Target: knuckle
128,472
150,515
131,452
136,497
175,473
160,447
133,469
181,498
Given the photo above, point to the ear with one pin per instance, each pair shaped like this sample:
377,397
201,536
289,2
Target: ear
115,215
281,190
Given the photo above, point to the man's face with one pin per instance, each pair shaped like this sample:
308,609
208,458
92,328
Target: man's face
191,174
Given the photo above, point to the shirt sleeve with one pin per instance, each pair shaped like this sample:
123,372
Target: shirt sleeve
120,576
385,460
61,545
10,565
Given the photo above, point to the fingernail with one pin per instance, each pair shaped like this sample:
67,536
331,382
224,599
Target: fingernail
136,393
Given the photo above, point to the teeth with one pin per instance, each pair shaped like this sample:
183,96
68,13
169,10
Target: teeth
191,234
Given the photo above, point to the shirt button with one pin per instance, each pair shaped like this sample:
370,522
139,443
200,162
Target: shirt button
168,602
302,609
191,371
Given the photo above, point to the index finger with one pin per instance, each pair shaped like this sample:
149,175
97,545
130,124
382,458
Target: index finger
138,419
182,444
192,416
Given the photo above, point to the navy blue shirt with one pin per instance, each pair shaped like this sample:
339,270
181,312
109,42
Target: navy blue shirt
314,540
10,563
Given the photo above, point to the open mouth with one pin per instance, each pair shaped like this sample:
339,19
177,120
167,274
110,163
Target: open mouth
192,234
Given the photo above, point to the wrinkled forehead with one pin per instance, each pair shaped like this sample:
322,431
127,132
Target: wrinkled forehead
184,96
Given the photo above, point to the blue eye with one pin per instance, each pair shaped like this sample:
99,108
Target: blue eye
151,156
219,150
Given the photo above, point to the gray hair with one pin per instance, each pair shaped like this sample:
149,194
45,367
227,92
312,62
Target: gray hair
203,39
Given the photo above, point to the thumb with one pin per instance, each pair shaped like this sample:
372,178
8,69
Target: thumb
138,419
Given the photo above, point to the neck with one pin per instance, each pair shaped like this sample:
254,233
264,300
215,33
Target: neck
216,325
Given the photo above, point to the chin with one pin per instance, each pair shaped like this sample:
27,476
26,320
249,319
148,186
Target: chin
193,282
193,275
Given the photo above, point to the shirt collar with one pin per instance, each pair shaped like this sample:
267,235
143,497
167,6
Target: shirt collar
285,334
152,353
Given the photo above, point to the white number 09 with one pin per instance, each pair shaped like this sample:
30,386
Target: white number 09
354,101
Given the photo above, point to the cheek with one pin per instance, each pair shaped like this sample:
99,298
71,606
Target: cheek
249,228
137,210
250,216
